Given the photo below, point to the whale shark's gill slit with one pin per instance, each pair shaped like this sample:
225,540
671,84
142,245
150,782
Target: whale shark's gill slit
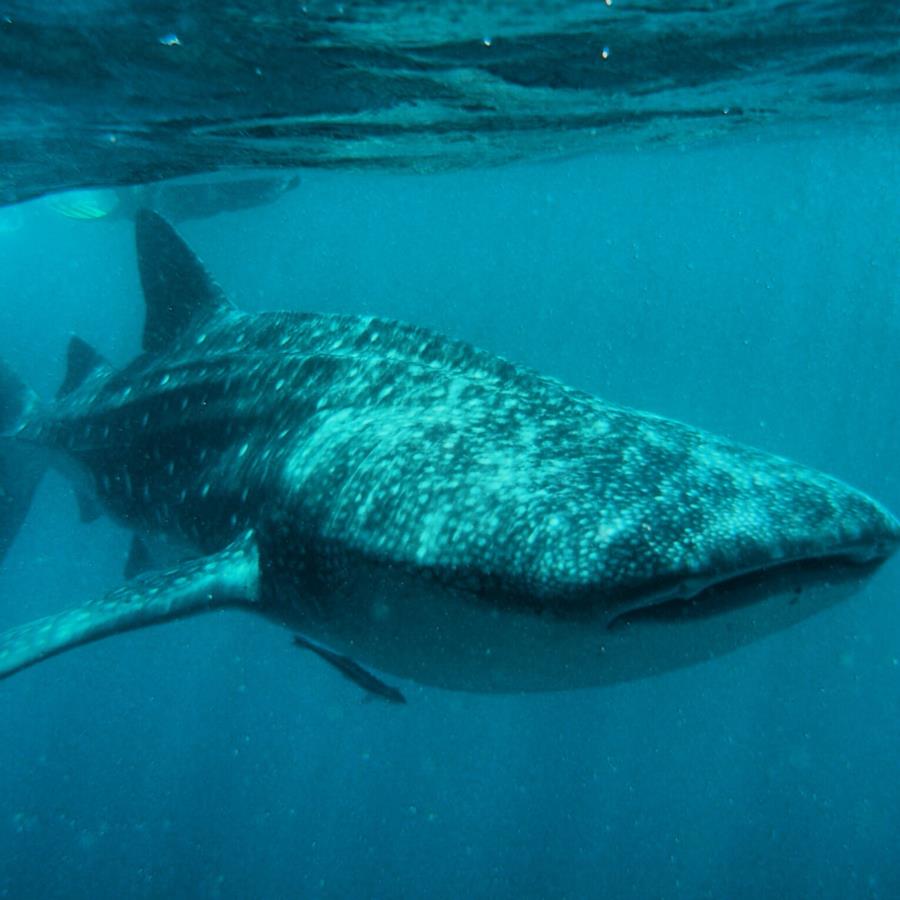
729,594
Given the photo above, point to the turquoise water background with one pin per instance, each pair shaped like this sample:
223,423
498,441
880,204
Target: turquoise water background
749,288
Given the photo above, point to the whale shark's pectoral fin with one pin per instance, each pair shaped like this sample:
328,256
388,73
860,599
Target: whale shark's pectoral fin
226,579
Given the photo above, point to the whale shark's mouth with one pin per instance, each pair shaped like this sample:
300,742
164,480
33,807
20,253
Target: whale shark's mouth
789,580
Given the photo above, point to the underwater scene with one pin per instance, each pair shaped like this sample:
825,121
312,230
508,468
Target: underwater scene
450,450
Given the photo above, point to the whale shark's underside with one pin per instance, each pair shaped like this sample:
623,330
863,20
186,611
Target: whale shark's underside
411,504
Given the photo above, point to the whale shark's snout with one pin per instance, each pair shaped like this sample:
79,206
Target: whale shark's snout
776,534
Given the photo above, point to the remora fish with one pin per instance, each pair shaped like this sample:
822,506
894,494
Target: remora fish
423,506
373,686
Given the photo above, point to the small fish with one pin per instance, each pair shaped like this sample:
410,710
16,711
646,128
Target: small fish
354,671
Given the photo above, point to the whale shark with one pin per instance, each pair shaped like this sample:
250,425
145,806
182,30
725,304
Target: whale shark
409,504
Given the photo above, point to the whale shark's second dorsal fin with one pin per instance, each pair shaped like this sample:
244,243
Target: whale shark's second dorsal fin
81,362
177,288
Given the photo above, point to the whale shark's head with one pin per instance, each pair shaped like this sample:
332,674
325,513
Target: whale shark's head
741,522
597,562
662,547
819,549
808,570
724,547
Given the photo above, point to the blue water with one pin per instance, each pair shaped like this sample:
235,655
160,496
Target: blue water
751,289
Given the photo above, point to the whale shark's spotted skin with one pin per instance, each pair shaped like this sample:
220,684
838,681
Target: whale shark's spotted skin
402,445
403,488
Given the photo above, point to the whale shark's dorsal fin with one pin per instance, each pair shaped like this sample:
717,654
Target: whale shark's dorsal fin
82,360
177,288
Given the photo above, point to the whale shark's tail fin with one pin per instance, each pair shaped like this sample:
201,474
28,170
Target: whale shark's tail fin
20,468
226,579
